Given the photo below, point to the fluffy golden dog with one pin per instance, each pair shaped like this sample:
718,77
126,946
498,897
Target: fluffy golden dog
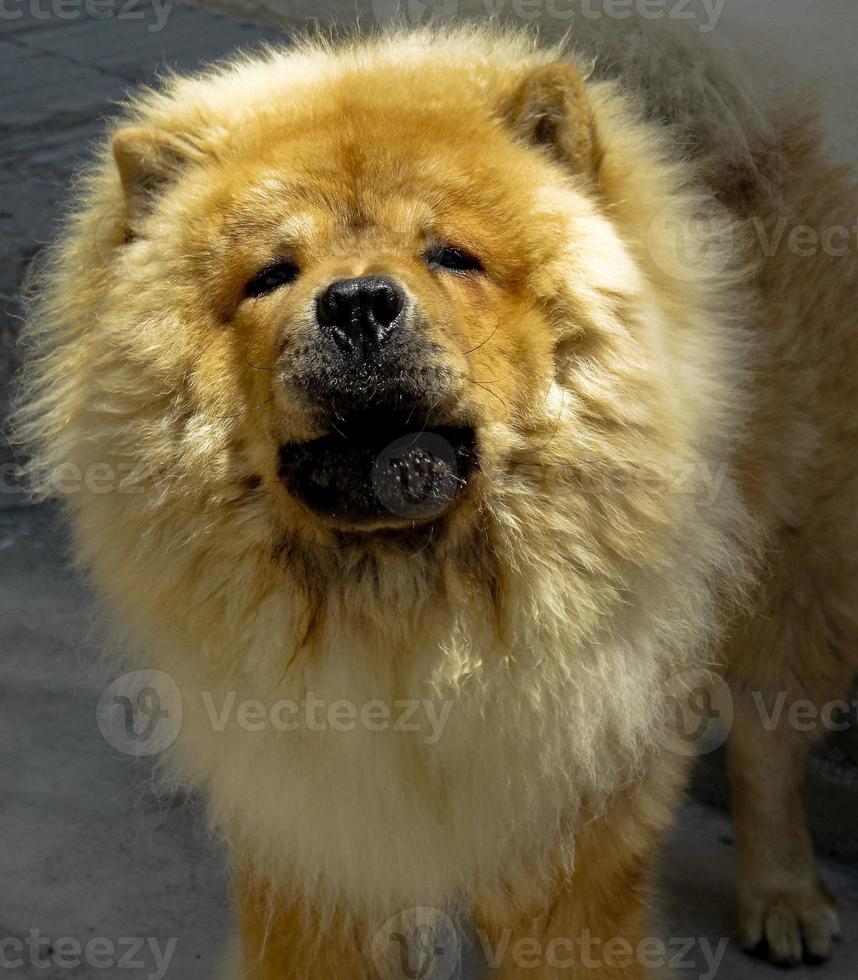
447,389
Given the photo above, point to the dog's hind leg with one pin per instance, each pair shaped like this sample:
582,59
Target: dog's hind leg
790,667
796,655
785,911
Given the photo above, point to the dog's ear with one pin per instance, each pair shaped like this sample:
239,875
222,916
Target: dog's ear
550,108
148,160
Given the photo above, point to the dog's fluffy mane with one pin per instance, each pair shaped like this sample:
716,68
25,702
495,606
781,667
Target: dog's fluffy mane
554,629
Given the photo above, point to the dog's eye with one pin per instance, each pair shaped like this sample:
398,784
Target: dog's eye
453,259
279,273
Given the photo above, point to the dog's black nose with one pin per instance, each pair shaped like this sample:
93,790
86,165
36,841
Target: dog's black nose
360,314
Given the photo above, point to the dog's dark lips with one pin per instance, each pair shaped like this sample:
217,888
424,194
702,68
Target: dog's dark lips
381,469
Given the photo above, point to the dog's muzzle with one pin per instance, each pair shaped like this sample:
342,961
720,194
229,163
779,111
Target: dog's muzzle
381,469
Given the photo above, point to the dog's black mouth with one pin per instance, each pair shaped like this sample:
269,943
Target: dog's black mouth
381,469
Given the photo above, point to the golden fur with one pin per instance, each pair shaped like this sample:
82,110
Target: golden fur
665,453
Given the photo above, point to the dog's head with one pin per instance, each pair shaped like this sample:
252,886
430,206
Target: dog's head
415,286
364,271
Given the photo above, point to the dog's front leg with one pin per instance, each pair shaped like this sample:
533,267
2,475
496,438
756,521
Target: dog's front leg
284,937
595,922
575,936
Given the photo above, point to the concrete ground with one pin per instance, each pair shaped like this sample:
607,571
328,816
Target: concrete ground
89,852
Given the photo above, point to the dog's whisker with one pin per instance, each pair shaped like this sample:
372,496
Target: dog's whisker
257,367
494,394
484,342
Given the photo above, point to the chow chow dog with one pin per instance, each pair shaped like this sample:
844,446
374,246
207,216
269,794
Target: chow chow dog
446,387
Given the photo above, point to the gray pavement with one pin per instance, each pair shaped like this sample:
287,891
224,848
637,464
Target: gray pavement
89,850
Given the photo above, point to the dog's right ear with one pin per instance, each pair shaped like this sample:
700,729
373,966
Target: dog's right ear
550,108
148,160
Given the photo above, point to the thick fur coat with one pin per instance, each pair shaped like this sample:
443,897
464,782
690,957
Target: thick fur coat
611,363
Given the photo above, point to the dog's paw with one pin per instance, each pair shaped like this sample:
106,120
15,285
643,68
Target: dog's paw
789,928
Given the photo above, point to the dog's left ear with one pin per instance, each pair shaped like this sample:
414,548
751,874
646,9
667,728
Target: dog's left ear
148,161
550,108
